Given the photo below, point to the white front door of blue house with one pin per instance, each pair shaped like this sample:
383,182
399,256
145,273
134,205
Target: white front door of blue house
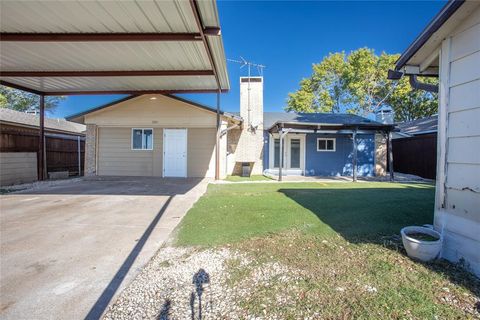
175,152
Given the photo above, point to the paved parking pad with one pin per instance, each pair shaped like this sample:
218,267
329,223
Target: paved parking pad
68,249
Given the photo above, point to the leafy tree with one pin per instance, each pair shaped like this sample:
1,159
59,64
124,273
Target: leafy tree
324,90
409,104
357,83
22,101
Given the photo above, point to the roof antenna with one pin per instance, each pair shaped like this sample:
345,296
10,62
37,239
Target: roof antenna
243,62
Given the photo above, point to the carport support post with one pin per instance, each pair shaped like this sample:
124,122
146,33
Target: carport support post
390,156
41,140
354,160
217,141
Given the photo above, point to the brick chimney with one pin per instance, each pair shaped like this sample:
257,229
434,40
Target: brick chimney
250,144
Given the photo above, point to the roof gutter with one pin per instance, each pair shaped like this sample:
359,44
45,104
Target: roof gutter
447,11
281,124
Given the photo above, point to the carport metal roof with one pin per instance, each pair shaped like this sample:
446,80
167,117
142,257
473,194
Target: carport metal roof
94,47
105,47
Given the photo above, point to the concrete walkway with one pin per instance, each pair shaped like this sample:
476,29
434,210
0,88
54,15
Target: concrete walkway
68,249
399,178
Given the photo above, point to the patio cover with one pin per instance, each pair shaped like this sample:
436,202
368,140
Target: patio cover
129,47
330,123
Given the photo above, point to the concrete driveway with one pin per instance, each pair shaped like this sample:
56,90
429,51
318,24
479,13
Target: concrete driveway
67,250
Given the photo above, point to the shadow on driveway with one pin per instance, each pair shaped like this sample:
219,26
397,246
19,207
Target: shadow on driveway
107,295
112,185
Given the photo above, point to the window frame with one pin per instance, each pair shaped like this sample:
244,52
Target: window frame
326,145
143,139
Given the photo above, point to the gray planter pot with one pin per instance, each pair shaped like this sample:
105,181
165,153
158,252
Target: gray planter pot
420,249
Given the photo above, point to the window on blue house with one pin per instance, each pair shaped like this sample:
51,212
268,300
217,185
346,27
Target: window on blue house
326,144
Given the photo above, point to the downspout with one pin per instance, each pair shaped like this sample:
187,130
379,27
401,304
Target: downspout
414,83
417,85
217,142
224,131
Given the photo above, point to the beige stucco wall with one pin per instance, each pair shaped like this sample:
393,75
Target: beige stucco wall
380,155
457,203
17,167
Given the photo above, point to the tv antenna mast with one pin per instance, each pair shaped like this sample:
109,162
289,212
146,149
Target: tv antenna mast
243,62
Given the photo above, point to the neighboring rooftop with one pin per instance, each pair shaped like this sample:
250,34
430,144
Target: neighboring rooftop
419,126
25,119
270,118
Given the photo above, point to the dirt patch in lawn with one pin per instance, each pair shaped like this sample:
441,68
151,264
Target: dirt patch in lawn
292,275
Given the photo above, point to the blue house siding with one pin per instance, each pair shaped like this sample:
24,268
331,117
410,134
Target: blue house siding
339,162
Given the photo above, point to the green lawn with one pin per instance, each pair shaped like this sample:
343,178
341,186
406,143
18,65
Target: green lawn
251,178
356,211
339,245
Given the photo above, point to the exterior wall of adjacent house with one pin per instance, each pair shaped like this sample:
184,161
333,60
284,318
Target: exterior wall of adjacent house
332,163
339,162
17,167
457,205
109,137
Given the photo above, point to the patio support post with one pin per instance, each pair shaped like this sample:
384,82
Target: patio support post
79,157
280,160
217,141
354,160
390,156
41,140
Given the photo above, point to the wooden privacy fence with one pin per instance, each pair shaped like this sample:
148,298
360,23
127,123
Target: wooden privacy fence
61,151
416,155
63,154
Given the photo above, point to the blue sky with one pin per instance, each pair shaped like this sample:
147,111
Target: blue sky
288,36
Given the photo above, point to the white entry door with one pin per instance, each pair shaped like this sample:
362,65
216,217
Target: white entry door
175,152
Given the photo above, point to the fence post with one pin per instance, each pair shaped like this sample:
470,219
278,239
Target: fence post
79,157
41,141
